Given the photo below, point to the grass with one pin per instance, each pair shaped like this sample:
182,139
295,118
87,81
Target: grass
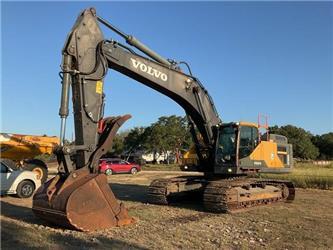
307,175
303,175
162,167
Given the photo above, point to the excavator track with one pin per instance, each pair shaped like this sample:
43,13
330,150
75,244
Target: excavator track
223,195
234,195
162,191
157,191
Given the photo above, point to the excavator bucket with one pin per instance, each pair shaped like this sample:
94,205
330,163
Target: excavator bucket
81,201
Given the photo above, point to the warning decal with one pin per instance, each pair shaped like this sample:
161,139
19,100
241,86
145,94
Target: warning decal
99,87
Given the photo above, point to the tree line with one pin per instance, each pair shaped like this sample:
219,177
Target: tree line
305,144
169,134
172,134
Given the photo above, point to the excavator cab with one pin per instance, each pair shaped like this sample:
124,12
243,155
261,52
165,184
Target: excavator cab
240,149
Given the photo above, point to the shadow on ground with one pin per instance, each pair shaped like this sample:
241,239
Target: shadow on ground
19,213
18,236
130,192
138,193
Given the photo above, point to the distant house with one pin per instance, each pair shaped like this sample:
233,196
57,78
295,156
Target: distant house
149,157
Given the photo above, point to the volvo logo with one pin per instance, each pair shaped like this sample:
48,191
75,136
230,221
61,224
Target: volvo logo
149,70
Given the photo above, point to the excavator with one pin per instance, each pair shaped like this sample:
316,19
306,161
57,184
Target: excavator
79,197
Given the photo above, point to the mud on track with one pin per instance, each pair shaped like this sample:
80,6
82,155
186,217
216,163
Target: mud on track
306,223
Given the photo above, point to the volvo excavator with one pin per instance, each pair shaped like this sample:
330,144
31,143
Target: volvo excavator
80,198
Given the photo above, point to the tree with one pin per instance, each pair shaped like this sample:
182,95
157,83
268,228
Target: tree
169,133
118,144
325,145
300,139
134,139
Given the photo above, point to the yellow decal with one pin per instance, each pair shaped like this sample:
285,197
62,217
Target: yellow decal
99,87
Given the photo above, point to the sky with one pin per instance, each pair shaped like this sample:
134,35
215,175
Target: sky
274,58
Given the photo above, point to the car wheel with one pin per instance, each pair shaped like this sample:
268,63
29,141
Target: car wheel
134,170
108,171
25,189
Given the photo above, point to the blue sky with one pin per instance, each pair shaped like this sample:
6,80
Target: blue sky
269,57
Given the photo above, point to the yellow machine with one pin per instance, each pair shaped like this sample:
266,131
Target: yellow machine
190,158
23,148
268,152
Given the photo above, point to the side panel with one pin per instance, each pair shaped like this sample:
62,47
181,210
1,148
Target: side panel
267,151
267,158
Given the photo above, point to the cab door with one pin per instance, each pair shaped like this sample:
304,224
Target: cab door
248,140
226,150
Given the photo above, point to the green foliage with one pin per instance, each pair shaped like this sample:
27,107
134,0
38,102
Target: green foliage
300,139
118,144
169,133
134,139
325,145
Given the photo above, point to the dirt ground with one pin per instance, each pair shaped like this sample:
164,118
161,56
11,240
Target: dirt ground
303,224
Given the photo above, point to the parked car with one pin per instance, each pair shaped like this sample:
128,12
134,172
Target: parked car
14,180
111,166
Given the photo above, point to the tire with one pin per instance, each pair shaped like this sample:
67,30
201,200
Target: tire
108,172
134,171
37,166
25,189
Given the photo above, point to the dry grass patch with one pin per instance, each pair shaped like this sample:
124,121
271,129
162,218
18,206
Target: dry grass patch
308,176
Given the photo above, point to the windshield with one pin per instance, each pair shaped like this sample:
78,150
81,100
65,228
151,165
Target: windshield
226,150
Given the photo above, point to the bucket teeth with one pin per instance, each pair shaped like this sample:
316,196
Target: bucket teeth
80,201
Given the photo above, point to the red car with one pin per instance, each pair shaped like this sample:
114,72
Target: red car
111,166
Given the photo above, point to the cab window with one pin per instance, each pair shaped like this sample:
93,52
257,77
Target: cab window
226,150
248,140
